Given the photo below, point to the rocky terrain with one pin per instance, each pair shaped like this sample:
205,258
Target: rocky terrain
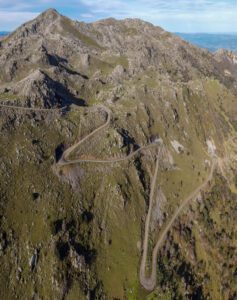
116,138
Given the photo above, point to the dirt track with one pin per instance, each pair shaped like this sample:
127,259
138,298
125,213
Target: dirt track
149,283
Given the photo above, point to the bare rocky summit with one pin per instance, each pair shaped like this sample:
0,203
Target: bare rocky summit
74,52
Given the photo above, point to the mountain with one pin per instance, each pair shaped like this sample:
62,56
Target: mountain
118,163
212,41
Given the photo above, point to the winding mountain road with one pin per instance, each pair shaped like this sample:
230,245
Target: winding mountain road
149,283
65,156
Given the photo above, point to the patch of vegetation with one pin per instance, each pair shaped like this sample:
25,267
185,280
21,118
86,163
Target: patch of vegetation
197,266
130,31
70,28
118,60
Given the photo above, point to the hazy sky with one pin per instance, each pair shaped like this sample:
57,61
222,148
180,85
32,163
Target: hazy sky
172,15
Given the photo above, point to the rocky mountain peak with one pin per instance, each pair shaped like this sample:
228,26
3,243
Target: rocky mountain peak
115,49
38,26
46,17
50,13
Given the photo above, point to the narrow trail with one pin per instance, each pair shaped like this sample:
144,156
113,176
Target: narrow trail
64,162
23,108
65,156
149,283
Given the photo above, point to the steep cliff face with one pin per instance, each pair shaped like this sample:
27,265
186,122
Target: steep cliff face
73,215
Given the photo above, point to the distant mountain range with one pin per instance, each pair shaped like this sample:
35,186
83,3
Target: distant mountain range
2,33
212,42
